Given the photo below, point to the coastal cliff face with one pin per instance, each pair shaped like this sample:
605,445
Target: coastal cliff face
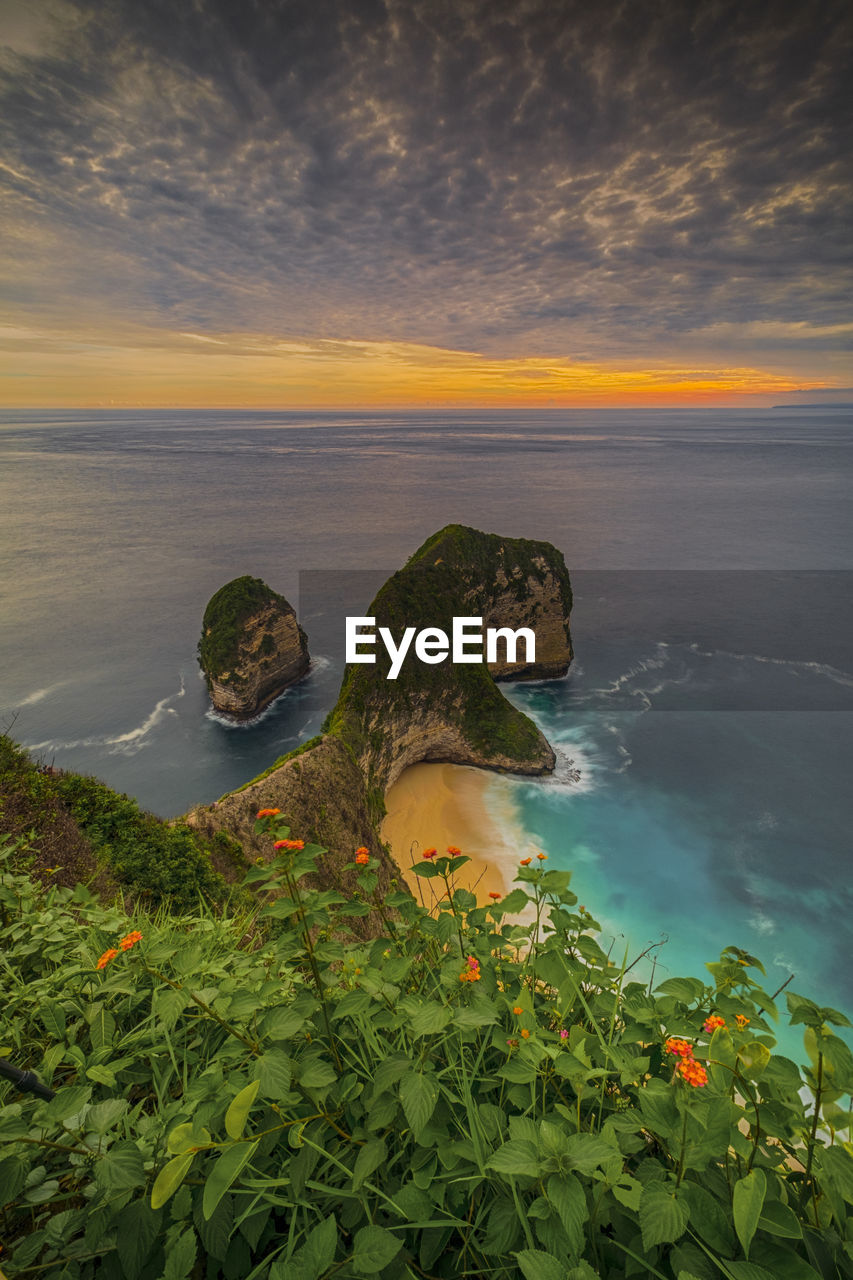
449,712
251,647
332,791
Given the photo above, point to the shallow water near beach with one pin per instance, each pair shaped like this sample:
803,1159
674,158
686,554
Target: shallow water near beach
709,709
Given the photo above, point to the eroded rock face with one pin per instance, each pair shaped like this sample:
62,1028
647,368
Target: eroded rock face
251,648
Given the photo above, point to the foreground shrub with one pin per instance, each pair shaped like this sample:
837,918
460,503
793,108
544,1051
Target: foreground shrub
464,1096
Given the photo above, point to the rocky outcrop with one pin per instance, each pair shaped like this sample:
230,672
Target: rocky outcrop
450,712
251,647
332,790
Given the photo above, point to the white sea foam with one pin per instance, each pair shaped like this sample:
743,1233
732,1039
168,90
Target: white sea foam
823,669
121,743
38,695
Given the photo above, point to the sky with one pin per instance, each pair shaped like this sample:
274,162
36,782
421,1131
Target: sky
391,203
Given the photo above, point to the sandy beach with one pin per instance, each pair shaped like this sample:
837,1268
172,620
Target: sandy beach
444,804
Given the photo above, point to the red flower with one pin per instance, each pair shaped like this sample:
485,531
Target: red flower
268,813
525,862
711,1024
495,895
130,940
453,851
106,958
430,853
289,844
362,857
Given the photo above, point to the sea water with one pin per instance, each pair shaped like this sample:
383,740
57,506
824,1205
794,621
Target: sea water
709,706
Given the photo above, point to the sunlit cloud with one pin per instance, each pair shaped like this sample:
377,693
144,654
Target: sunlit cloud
632,186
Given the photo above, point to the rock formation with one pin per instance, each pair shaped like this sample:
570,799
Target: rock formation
332,790
251,647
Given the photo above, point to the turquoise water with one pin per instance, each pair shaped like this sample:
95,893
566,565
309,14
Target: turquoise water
709,708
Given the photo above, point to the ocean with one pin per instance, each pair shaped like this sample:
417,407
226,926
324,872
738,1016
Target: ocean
710,706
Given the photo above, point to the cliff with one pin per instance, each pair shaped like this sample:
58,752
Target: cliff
251,647
332,790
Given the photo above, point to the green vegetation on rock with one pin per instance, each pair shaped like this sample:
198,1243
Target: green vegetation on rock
226,613
84,831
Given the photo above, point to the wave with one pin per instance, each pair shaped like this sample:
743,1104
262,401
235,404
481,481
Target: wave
38,695
823,669
121,743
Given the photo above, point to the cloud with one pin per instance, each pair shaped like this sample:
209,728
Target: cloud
503,177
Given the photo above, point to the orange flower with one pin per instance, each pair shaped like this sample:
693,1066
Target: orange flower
453,851
525,1034
518,1009
541,856
130,940
678,1047
106,958
362,857
268,813
289,844
741,1020
693,1072
362,848
711,1024
430,853
525,862
495,895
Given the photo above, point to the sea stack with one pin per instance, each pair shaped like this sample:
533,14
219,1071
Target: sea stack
251,647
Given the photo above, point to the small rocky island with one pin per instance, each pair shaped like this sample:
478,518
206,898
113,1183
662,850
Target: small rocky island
251,647
332,789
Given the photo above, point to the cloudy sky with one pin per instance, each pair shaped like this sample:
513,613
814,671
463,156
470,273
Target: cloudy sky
380,202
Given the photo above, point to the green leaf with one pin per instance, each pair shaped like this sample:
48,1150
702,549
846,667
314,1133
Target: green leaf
754,1057
121,1168
429,1019
180,1256
13,1173
388,1072
373,1249
370,1157
102,1026
803,1010
223,1173
52,1015
318,1251
425,870
480,1014
103,1115
138,1228
836,1163
102,1075
216,1231
749,1271
516,1158
514,902
169,1179
418,1094
684,989
778,1220
351,1005
663,1218
536,1265
281,1023
747,1200
238,1110
69,1101
317,1074
567,1196
272,1071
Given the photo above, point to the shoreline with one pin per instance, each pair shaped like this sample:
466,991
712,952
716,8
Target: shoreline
452,804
